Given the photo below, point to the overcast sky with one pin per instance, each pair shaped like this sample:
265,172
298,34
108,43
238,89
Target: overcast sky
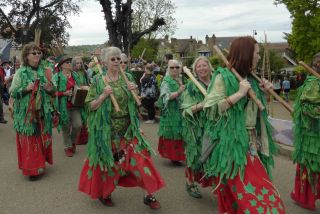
196,18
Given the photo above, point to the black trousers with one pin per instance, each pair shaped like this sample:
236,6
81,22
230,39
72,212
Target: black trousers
148,103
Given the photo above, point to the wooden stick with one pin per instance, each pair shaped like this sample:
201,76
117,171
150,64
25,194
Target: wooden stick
141,56
135,96
194,80
309,69
251,93
106,82
275,95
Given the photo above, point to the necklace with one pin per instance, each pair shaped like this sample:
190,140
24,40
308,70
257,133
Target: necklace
115,78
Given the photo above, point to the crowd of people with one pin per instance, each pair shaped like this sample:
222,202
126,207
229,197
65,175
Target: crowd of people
210,123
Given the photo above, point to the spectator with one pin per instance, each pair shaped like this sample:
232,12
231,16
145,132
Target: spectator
149,92
2,74
286,88
8,76
276,82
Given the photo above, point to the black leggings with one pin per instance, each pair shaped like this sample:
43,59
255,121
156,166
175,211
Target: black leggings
148,103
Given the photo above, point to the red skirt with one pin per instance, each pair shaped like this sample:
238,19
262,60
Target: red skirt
254,194
198,177
171,149
33,152
82,137
136,170
304,193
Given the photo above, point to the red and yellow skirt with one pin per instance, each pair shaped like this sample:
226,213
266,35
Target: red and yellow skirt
198,177
33,153
171,149
254,193
137,169
304,193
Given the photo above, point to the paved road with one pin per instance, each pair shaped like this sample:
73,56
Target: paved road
57,191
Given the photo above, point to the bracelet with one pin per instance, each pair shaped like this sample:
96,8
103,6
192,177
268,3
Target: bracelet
229,101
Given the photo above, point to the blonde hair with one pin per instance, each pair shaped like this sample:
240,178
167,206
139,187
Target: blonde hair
196,62
74,61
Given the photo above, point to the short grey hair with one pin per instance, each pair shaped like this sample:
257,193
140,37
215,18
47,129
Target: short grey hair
175,62
196,62
107,53
124,57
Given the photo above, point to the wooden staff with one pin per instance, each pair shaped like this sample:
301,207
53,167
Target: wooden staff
106,82
135,96
275,95
311,71
194,80
141,56
251,93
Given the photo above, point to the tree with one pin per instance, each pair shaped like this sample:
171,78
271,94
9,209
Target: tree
151,47
304,38
145,13
118,18
25,16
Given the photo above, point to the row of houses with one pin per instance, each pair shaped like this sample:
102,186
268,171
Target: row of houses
191,47
185,48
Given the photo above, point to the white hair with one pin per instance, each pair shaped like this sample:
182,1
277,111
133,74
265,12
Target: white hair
107,53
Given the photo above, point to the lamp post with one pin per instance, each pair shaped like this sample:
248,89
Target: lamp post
254,33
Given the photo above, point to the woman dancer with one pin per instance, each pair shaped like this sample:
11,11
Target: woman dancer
193,120
70,119
170,139
32,91
306,118
117,152
81,78
238,141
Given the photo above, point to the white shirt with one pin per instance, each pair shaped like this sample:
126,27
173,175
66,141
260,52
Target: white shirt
7,71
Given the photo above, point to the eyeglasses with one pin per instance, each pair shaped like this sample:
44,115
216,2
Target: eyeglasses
115,58
36,53
123,62
174,67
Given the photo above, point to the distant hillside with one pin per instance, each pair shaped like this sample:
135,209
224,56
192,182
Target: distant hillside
82,50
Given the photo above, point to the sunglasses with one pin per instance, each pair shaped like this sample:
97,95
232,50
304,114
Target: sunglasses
67,62
115,58
36,53
174,67
123,62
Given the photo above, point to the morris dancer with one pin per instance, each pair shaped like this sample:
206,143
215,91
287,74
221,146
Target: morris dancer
70,119
193,120
306,118
238,137
170,128
81,78
32,91
117,152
